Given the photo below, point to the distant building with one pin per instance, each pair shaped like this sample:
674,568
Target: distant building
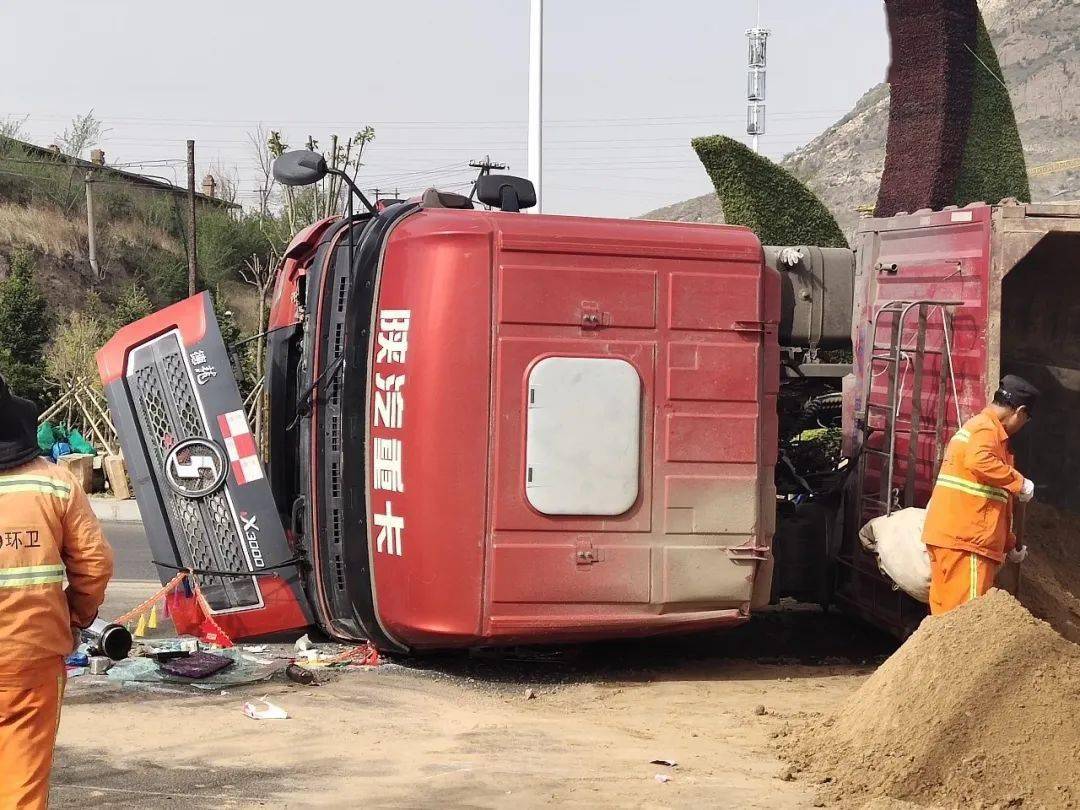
104,172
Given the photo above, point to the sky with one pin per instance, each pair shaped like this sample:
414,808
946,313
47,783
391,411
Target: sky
627,84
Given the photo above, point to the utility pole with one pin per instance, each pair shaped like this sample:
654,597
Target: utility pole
485,166
536,99
191,244
91,234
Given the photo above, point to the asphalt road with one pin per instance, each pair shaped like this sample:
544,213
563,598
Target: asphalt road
132,551
134,578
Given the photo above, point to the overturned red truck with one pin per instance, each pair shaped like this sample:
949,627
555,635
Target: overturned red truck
488,427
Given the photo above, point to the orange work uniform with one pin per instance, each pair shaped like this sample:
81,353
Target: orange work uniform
48,532
968,529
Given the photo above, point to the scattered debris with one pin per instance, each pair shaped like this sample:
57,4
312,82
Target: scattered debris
299,675
268,711
759,710
245,669
100,664
530,694
668,762
197,665
662,778
303,643
257,648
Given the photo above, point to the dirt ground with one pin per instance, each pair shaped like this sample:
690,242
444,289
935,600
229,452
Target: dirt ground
462,731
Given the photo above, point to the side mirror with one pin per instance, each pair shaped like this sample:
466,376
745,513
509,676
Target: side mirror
506,192
300,168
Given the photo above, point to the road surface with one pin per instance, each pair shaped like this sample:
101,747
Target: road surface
572,727
133,558
135,577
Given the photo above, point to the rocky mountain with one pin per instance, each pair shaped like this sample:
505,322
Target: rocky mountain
1038,43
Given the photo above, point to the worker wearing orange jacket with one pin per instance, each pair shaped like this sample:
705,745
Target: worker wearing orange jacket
47,533
968,530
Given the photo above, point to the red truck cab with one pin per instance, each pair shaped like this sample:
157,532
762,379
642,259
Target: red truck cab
491,428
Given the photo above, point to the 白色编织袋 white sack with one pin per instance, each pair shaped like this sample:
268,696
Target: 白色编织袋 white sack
902,555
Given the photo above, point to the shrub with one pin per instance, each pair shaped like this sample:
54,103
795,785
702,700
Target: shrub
165,277
132,305
225,242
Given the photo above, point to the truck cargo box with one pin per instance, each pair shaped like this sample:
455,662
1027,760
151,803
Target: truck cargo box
999,294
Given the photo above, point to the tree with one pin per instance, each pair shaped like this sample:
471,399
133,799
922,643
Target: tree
24,329
228,182
83,133
302,206
70,359
259,272
132,305
264,163
14,128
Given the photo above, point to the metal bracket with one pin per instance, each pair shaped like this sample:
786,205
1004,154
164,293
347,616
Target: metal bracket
584,553
749,327
591,316
749,552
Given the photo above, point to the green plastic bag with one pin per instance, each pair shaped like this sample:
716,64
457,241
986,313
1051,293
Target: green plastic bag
79,444
46,437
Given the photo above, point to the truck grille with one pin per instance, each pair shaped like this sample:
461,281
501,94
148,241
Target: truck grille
168,412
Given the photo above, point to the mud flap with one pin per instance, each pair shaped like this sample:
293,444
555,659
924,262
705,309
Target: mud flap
201,487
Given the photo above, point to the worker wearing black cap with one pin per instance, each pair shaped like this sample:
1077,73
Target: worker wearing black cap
48,534
968,530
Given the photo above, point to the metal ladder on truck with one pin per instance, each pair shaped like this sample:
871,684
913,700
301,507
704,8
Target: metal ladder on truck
892,357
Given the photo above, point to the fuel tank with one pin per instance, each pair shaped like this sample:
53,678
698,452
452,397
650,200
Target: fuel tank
816,295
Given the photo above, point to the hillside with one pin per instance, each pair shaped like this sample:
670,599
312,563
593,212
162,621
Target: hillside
1039,47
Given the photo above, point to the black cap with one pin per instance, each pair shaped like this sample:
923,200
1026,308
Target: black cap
1016,392
18,429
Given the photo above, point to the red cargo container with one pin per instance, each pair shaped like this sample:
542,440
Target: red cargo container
1001,291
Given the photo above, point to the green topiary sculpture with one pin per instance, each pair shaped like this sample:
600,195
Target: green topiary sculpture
757,193
993,165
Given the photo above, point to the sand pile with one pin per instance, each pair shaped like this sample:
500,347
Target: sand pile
1050,577
979,708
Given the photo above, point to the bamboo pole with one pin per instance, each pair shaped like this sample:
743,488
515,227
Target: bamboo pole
93,428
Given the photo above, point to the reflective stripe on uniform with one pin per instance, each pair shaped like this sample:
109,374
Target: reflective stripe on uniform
972,488
31,575
34,483
973,573
962,435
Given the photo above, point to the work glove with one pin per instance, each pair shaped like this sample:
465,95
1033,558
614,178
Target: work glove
1018,555
790,256
1027,491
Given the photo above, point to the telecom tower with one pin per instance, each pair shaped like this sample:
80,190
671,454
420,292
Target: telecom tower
757,39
